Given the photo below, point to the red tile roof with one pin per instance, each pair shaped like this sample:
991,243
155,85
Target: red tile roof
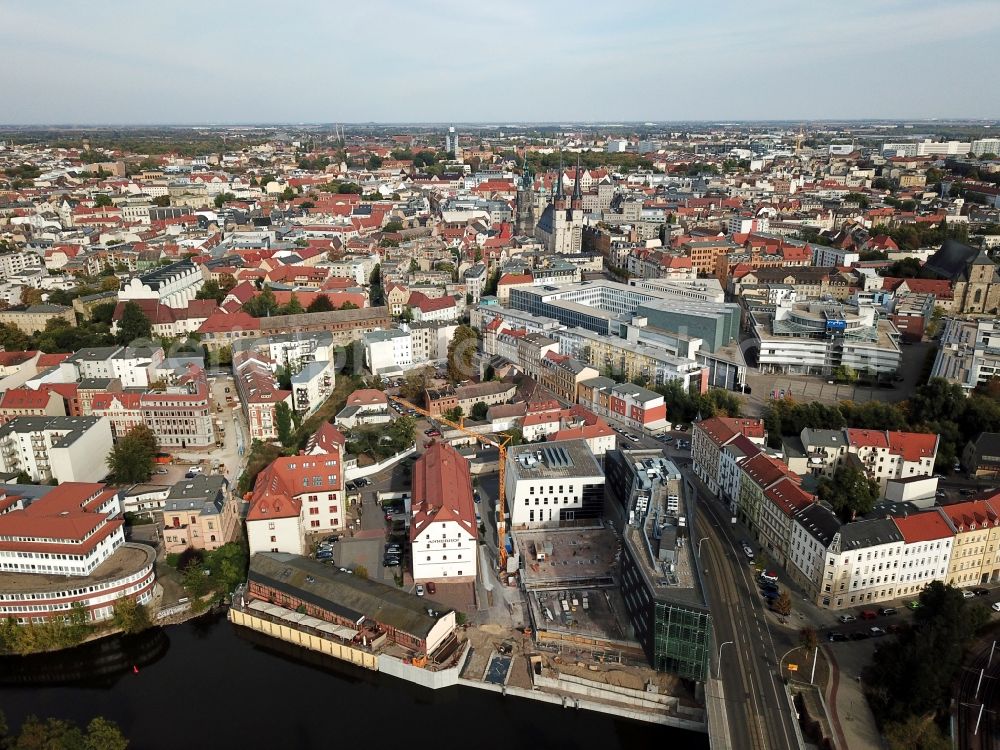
923,527
442,490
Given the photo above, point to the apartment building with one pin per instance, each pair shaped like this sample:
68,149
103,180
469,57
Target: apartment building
882,454
172,285
562,374
66,449
624,403
975,552
709,436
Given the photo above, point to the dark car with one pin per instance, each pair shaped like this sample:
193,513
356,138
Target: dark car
770,594
390,562
887,611
431,588
896,627
868,614
835,637
859,635
981,592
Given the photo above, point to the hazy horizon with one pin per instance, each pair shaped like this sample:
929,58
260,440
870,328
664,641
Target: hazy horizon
510,62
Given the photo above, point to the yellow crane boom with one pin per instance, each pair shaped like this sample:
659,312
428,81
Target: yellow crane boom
500,443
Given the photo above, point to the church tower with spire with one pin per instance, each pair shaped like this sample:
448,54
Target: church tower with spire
560,227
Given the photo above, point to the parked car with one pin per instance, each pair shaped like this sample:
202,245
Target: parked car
748,551
390,562
876,632
981,592
833,637
859,635
431,588
847,618
868,614
668,438
768,575
363,482
475,496
896,627
996,606
420,589
967,594
887,611
161,471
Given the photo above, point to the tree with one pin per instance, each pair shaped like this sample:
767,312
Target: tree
479,410
375,277
103,201
783,604
455,414
129,615
349,306
374,161
294,307
392,226
133,325
211,290
262,305
916,733
223,198
132,459
416,384
31,296
321,303
161,201
283,423
104,735
850,493
461,349
845,374
808,640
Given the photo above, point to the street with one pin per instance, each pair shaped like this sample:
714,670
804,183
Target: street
747,652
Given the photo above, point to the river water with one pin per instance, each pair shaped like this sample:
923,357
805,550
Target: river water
207,684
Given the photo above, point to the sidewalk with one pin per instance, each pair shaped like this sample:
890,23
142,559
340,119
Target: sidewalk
849,710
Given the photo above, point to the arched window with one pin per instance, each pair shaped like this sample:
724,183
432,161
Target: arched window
977,297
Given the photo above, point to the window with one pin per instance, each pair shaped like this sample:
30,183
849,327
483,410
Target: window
314,511
274,538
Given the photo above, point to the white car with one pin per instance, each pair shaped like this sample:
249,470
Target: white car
967,594
996,606
420,589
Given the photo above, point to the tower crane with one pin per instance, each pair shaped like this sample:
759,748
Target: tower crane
499,442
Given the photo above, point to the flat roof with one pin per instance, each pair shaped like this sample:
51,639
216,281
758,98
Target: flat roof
560,458
127,559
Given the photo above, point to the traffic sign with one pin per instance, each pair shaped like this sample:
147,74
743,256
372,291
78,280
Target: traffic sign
793,667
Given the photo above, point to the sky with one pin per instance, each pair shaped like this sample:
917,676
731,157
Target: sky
502,61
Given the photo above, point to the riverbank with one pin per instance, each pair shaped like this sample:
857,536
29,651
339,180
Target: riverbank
291,693
602,688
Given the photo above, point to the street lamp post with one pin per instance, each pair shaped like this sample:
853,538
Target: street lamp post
718,663
699,545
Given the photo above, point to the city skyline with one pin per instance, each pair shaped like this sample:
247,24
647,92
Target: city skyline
638,61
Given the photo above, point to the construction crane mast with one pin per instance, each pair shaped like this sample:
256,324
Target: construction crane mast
499,442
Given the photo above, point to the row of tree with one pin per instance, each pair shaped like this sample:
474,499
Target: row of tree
58,734
909,682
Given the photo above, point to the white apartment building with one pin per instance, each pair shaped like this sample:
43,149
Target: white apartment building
828,257
67,449
443,529
15,263
294,350
174,285
862,564
969,352
985,146
550,483
388,352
